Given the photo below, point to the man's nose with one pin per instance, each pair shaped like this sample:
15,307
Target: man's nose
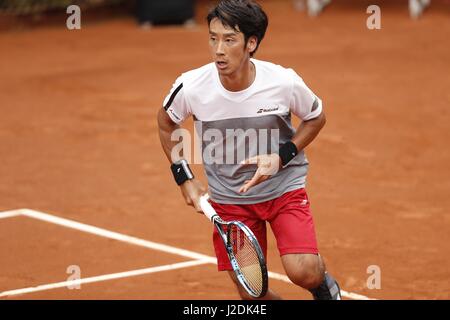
219,48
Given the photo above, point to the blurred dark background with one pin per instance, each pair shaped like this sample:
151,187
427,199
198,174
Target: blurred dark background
22,13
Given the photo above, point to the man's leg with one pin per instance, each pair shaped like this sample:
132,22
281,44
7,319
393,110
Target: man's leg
293,226
245,214
308,271
270,295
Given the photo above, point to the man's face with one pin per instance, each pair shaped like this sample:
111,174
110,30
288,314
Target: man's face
228,47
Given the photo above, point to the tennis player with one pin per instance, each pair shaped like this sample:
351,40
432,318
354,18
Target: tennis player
252,156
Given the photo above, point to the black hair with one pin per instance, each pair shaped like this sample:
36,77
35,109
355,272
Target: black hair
246,15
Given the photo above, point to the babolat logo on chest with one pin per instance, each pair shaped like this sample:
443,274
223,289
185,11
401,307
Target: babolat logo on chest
268,109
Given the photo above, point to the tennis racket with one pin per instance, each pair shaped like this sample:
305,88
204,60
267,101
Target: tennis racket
243,249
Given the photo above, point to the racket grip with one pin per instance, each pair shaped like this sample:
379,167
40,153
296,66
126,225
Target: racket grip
207,209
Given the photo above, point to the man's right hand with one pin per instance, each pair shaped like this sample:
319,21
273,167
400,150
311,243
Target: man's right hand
192,190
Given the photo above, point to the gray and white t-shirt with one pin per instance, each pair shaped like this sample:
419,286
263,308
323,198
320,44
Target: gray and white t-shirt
237,125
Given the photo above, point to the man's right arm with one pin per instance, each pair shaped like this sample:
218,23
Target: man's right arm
191,189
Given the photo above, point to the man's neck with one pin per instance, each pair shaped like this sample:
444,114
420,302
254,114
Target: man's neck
240,80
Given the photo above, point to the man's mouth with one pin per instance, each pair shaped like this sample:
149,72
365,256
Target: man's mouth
221,64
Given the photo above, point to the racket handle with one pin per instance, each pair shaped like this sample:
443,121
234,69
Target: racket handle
207,209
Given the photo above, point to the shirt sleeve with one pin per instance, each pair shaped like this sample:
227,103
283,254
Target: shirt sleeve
304,103
176,104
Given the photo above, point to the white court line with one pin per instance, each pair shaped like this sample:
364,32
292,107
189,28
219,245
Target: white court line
105,277
114,235
9,214
147,244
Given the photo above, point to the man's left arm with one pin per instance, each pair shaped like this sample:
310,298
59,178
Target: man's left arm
270,164
308,130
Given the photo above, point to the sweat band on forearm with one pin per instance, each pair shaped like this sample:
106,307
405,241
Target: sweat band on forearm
287,152
181,171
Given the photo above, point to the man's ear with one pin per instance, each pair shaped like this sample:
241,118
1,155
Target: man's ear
251,44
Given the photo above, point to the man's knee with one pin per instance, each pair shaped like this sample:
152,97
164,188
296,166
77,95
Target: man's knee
305,270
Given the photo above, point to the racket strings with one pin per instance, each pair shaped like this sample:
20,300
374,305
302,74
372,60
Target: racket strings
247,259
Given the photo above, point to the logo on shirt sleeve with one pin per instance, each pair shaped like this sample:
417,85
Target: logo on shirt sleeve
174,114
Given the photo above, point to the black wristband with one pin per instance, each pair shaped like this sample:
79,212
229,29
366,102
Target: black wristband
287,152
181,171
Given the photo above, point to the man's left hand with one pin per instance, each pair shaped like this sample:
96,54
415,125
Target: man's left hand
268,165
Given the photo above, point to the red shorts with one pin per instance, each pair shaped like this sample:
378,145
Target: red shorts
289,217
